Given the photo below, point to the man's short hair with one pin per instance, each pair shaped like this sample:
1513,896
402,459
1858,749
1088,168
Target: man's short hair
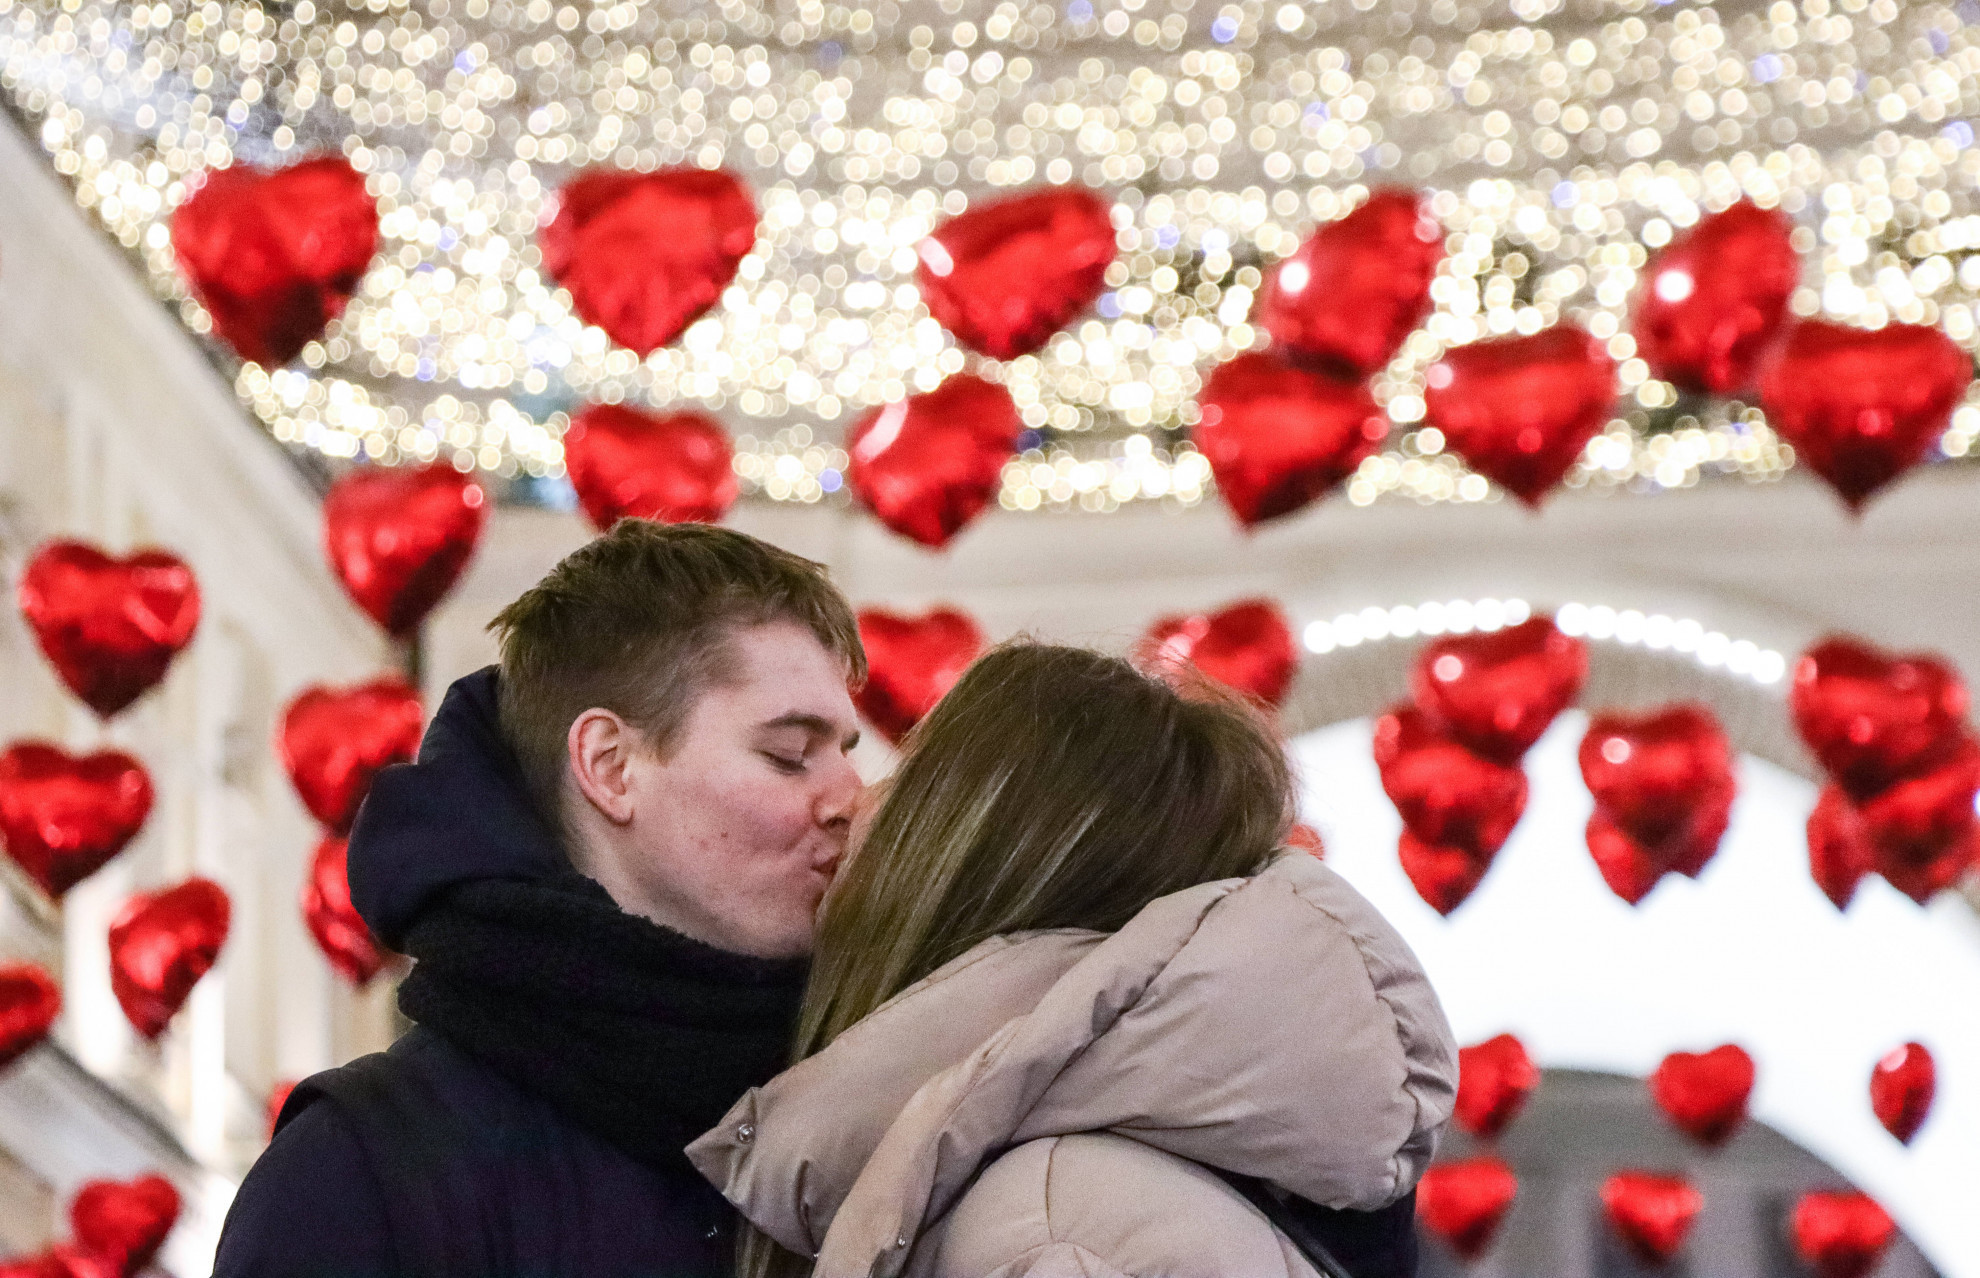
638,622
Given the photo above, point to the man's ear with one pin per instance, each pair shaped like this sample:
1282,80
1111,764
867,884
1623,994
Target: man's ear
601,746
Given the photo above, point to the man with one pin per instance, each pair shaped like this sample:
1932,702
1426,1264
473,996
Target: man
605,863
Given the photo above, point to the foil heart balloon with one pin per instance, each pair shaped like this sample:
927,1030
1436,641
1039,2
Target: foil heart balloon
1005,276
399,539
1519,410
1356,289
160,945
29,1004
278,1097
1496,692
274,255
928,464
109,626
1446,794
1922,829
61,1261
64,816
644,255
1445,876
333,741
1840,1233
1902,1088
1652,1215
1663,788
1247,646
1839,852
911,663
1862,406
331,918
1632,868
1715,299
1871,716
124,1222
1464,1202
1306,839
629,464
1494,1079
1704,1094
1277,437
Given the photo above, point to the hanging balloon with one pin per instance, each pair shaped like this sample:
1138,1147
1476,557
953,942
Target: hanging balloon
1862,406
1872,717
335,740
1247,646
1704,1094
124,1222
1840,1233
1446,794
1663,787
1715,298
1519,410
1922,830
275,254
1005,276
1464,1202
644,255
1839,852
1355,290
912,662
1444,875
63,816
160,945
399,538
61,1260
331,918
29,1004
629,464
1902,1088
1278,437
928,464
1306,839
278,1096
109,626
1496,692
1494,1079
1652,1215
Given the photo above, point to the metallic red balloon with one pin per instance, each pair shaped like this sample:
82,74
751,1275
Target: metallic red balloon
63,816
1005,276
1862,406
1444,875
929,464
1494,1079
1247,645
644,255
161,943
29,1004
673,467
1463,1203
335,740
124,1222
1663,787
278,1096
1840,1233
275,254
331,918
1519,410
1355,290
109,626
912,662
1922,830
1277,437
1839,851
399,538
1652,1215
1446,794
1704,1094
1496,692
1715,298
1902,1088
61,1261
1872,716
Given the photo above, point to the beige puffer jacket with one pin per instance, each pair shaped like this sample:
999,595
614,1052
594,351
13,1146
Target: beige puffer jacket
1045,1104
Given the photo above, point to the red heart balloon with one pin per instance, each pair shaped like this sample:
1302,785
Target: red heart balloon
1660,774
1443,875
1652,1215
929,464
327,910
1839,852
1496,692
1902,1088
1463,1203
624,463
1922,829
64,816
1353,292
124,1222
1704,1094
1006,275
1840,1233
1632,868
1862,406
1519,410
335,740
274,254
1247,646
644,255
1446,794
1277,437
399,539
1715,299
160,945
29,1004
1872,716
278,1097
1494,1079
1306,839
912,662
60,1261
109,626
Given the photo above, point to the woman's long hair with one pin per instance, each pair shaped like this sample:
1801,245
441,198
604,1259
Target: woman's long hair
1052,787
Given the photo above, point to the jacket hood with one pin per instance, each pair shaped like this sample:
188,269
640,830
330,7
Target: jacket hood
460,812
1276,1027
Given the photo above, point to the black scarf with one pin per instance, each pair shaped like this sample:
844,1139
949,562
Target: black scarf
635,1032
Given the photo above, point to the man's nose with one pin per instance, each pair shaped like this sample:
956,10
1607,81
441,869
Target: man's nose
838,795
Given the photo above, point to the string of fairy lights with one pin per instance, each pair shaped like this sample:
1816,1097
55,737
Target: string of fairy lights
1562,141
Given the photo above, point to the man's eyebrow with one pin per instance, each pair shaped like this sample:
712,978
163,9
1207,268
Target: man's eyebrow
816,724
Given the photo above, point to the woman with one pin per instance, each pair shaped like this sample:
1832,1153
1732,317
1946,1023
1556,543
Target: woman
1074,1011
